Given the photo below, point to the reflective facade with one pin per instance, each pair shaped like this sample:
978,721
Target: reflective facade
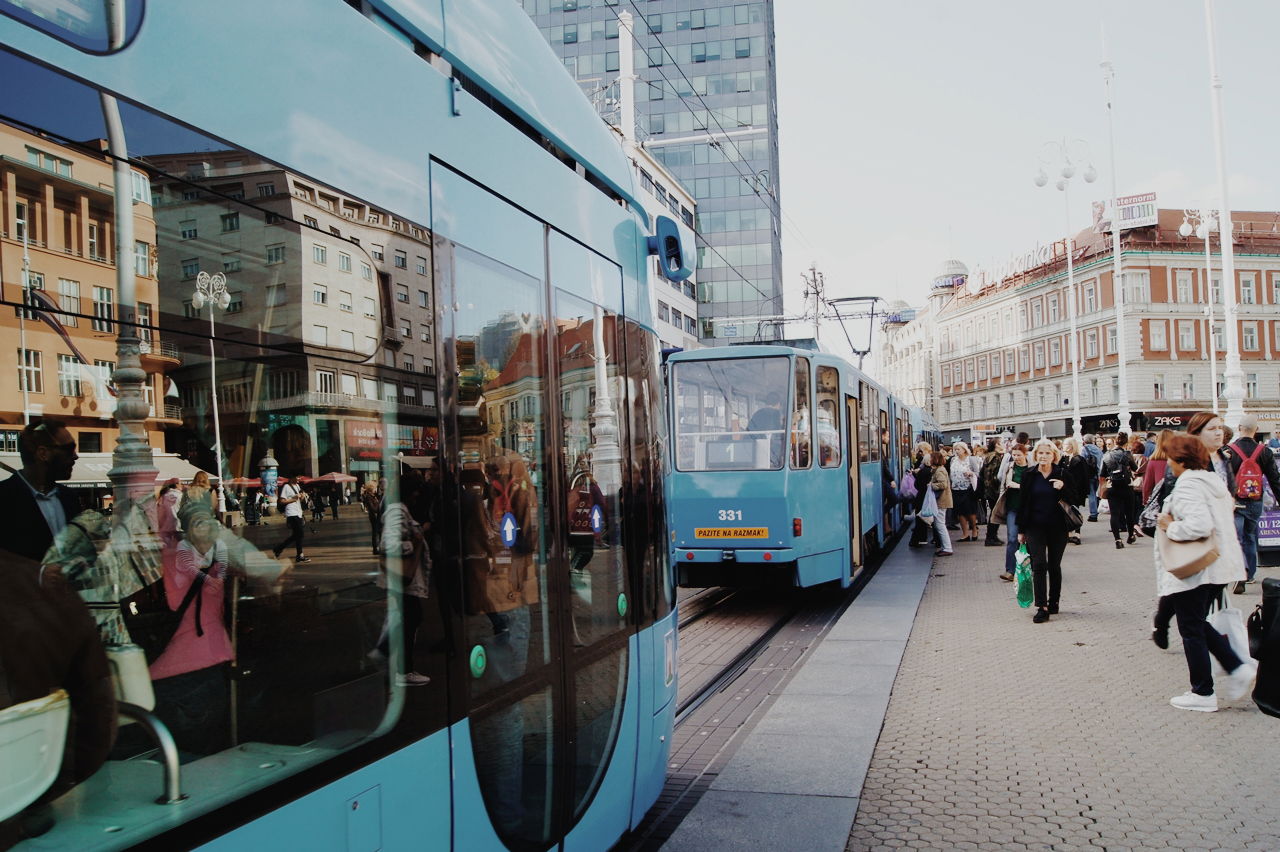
707,109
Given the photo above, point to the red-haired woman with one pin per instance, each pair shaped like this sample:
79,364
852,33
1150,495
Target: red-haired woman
1200,506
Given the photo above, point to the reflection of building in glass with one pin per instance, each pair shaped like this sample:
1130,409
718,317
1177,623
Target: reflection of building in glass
707,110
331,323
56,205
674,302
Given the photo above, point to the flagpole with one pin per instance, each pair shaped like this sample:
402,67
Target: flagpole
22,319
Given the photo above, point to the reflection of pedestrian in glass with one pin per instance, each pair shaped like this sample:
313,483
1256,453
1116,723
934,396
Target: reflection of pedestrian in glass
36,507
190,677
768,420
291,499
405,548
372,498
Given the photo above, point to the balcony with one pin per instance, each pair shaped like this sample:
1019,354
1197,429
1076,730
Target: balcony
167,413
160,350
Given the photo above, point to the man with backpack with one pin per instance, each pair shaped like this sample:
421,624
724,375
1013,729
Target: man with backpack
1251,462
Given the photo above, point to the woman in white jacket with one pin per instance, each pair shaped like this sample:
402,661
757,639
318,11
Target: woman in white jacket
1200,506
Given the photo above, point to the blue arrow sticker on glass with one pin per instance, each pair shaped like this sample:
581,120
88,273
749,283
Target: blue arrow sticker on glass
508,529
597,519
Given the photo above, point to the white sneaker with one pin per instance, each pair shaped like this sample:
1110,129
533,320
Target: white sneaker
1191,701
1236,684
415,679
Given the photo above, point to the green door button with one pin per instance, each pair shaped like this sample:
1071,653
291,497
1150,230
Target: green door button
622,606
479,660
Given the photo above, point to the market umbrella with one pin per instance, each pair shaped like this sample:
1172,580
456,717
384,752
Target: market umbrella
335,477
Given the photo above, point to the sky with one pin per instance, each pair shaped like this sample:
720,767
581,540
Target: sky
910,131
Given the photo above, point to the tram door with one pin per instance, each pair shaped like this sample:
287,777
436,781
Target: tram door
855,486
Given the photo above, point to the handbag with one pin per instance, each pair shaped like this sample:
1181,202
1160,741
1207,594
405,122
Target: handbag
1071,515
1229,622
1185,559
150,621
929,508
999,511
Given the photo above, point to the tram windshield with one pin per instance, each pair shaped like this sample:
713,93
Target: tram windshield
730,413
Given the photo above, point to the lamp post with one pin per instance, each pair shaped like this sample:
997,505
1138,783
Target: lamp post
1202,224
1233,374
1060,154
1117,275
212,290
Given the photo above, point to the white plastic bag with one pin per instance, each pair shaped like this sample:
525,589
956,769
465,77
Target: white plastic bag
1229,622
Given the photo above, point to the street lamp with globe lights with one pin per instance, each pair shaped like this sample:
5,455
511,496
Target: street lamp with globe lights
1202,223
211,290
1064,156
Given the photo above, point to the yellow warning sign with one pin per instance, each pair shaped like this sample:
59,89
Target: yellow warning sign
731,532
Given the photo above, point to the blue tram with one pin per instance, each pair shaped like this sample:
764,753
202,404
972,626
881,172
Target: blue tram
425,272
785,466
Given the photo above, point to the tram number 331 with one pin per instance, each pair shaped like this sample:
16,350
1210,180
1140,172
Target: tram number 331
730,514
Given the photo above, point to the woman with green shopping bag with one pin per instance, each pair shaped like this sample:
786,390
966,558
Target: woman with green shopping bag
1042,526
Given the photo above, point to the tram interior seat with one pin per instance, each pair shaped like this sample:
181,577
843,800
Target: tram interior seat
728,453
32,736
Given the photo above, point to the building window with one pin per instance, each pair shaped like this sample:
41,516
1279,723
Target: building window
326,381
1250,385
275,295
1093,391
190,267
1055,352
142,260
1137,286
1039,356
366,271
347,340
424,333
664,312
30,371
1008,363
401,260
1248,290
1037,314
230,222
320,335
375,250
1159,336
1091,343
424,301
1090,298
1053,309
1112,342
310,222
319,294
188,230
1184,286
319,253
1024,359
275,254
344,262
370,308
422,266
982,368
402,294
1157,386
69,301
266,189
946,375
68,375
103,309
1186,335
1188,386
344,302
1215,289
1249,336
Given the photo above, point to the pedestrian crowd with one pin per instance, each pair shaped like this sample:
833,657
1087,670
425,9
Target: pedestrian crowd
1199,495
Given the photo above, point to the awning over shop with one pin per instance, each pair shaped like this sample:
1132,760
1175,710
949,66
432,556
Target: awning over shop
91,469
416,462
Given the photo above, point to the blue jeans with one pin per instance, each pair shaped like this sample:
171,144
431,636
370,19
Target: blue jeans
1093,496
1247,516
1011,544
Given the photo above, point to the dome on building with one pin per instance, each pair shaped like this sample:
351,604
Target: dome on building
953,274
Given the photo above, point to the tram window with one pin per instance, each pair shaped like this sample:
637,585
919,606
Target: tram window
88,26
801,418
314,640
827,424
712,408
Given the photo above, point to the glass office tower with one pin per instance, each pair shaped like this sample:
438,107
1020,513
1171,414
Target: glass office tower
706,106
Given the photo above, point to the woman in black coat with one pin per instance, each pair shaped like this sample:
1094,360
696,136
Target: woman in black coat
1080,473
1119,468
922,474
1042,526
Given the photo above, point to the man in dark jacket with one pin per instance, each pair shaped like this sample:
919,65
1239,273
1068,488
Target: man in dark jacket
990,479
1249,512
36,507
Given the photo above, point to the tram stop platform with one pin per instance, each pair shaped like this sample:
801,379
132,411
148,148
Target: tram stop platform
935,715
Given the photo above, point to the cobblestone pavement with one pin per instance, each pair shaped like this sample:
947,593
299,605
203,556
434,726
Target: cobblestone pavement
1003,734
